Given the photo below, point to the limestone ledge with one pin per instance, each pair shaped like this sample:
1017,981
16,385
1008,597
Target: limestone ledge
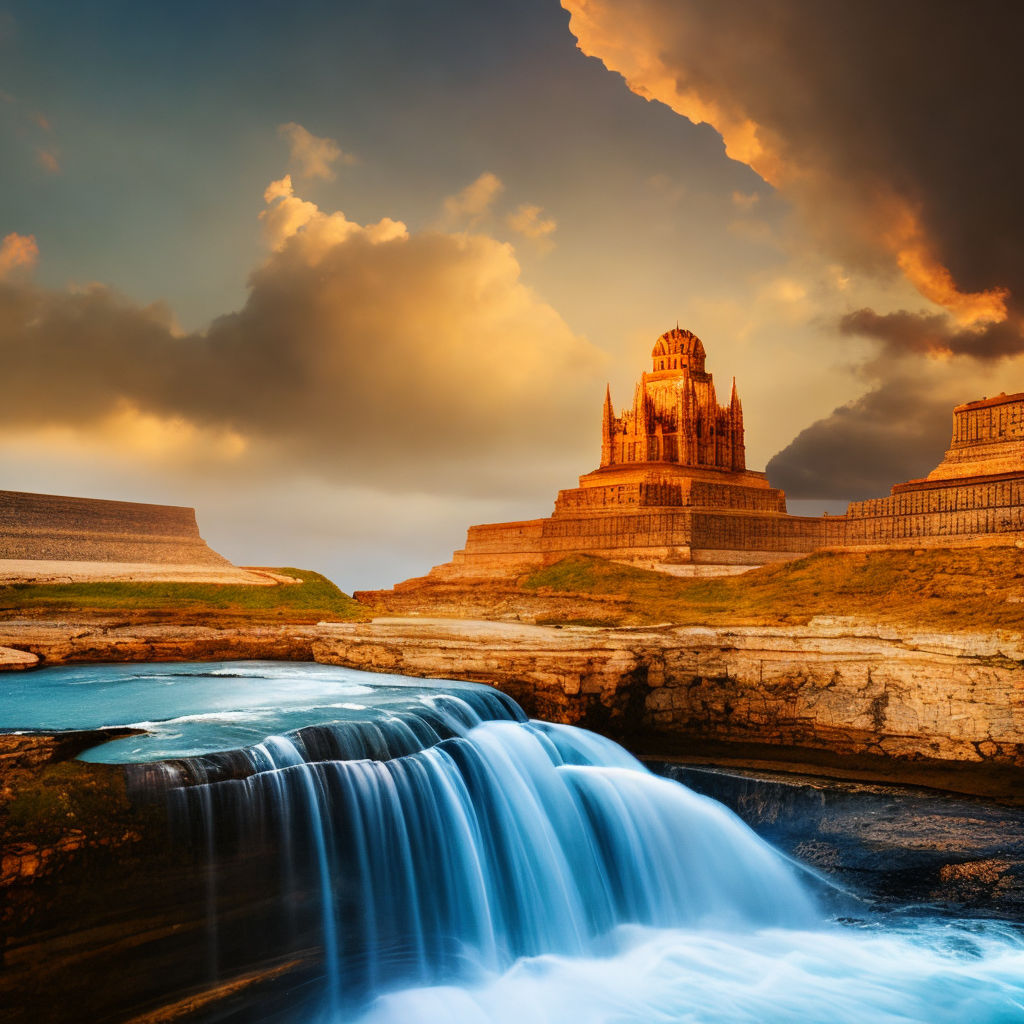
56,643
11,660
839,685
33,570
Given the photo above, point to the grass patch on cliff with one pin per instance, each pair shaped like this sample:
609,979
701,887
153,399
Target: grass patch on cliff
68,795
315,598
960,588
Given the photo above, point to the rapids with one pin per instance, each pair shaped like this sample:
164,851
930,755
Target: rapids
438,858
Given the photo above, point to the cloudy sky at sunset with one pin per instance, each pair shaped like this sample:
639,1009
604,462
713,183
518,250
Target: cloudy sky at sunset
350,277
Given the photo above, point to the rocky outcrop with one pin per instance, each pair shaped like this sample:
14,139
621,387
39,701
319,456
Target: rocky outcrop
836,686
11,659
58,643
93,882
889,845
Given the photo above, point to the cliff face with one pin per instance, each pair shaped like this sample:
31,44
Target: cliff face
35,643
891,845
103,910
834,686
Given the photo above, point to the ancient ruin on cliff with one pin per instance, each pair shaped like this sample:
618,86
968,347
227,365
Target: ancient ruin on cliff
673,492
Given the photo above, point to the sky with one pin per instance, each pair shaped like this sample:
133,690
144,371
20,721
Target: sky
348,278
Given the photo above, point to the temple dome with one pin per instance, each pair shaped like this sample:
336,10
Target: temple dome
676,350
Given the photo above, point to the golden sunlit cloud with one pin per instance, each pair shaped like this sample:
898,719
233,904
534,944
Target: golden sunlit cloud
288,215
936,283
634,50
17,252
474,202
406,361
313,156
528,220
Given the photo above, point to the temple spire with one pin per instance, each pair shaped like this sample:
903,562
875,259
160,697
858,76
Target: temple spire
607,428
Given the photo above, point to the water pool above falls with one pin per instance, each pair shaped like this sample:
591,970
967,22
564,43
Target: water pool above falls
447,860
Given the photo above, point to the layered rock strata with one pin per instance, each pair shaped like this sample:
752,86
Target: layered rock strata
831,692
887,844
835,687
31,643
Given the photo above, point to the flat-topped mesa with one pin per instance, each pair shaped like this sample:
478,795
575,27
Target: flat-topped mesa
51,537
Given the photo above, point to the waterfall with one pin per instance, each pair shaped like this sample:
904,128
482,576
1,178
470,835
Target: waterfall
492,841
395,851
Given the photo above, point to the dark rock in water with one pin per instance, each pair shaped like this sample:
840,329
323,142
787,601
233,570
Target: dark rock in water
889,844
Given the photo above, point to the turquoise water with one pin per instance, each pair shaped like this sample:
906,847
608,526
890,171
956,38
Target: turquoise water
195,708
479,868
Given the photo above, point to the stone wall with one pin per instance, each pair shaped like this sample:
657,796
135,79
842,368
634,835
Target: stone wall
54,528
664,494
988,438
944,509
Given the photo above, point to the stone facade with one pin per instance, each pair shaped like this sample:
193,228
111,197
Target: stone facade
975,495
672,490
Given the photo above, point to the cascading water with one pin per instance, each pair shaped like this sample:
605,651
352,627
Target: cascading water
514,840
430,855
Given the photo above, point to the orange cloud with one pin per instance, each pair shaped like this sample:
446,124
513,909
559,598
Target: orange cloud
368,354
288,215
529,221
313,156
474,202
17,252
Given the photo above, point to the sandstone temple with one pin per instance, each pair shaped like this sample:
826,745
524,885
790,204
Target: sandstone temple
673,492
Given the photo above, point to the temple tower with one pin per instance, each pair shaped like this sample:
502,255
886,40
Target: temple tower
675,417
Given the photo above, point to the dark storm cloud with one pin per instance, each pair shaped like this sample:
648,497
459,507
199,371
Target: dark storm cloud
896,432
894,127
901,333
